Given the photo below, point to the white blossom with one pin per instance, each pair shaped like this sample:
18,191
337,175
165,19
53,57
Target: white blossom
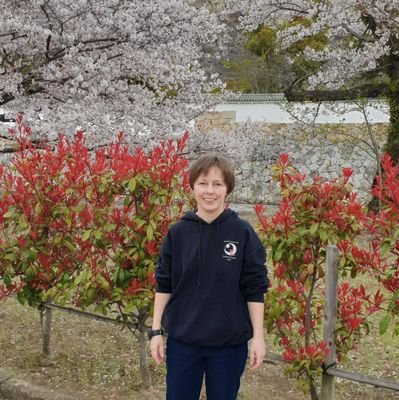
106,65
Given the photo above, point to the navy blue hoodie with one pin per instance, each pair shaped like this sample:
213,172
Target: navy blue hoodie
212,270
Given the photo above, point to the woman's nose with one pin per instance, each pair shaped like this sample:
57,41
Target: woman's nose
209,188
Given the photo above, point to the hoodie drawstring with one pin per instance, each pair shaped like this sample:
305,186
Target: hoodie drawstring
219,272
199,255
218,255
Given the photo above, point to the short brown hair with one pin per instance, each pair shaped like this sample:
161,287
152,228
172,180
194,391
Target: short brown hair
207,161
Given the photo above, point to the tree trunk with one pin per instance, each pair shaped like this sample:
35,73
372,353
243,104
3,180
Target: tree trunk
392,146
144,370
313,391
46,316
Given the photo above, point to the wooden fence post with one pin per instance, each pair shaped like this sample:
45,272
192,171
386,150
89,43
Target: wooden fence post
46,317
330,317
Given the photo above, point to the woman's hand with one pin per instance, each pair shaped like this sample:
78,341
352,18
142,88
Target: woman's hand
256,352
156,348
257,344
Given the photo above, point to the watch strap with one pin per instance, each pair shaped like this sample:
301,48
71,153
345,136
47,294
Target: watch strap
155,332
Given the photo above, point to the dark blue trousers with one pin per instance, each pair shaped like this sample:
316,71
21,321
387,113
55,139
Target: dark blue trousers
188,364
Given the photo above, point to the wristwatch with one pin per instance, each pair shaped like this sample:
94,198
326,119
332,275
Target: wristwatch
154,332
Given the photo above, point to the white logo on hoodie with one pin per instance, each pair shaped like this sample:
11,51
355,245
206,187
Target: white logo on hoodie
230,250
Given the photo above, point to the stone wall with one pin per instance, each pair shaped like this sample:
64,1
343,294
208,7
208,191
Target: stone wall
215,120
322,149
7,148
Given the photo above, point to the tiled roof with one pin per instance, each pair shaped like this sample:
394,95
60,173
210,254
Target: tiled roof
257,98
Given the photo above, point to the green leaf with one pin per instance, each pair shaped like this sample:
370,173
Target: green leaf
277,255
275,312
132,184
313,229
99,243
90,295
116,296
323,235
384,323
23,221
10,256
102,282
129,308
69,245
396,234
139,222
150,232
10,214
153,199
127,201
86,234
79,279
385,247
38,208
6,280
302,230
21,298
57,239
121,275
68,221
80,207
272,239
109,227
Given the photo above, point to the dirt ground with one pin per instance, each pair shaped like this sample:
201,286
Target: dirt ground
95,360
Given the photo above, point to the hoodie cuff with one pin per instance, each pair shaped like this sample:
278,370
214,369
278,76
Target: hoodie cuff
255,298
163,289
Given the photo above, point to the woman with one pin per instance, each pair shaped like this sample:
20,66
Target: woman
211,279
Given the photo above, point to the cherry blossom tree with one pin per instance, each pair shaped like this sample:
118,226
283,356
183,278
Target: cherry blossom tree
126,63
361,42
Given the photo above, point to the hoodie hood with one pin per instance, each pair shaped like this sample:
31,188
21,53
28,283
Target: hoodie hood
227,213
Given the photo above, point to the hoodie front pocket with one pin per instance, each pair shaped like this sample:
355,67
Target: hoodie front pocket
197,321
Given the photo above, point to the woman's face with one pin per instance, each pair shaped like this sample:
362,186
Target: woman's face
210,192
